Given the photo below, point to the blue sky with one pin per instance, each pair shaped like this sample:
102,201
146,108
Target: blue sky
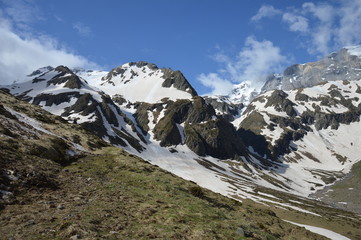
215,43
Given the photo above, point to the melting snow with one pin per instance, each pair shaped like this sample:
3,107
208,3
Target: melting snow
322,231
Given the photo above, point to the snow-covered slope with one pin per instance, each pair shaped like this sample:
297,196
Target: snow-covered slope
142,82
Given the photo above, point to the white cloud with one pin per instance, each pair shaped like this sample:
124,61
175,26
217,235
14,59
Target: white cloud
296,23
265,11
218,85
20,12
19,56
82,29
253,63
322,32
323,11
349,30
258,59
323,27
22,51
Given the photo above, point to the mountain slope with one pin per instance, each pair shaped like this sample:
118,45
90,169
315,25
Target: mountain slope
189,138
62,92
75,193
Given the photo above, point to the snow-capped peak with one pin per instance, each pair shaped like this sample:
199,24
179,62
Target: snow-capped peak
143,82
244,92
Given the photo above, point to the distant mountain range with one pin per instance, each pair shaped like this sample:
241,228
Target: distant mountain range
297,134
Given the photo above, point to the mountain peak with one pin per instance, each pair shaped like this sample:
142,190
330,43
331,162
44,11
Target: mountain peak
141,64
145,82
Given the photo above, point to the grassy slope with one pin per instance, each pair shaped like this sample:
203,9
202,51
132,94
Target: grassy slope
114,195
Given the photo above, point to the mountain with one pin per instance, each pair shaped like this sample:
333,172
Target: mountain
342,65
232,106
171,122
272,148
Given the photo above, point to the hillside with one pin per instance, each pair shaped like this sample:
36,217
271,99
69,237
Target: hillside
108,193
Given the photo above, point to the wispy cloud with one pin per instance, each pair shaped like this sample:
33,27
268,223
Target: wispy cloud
264,12
59,19
22,51
20,12
214,81
296,23
82,29
253,63
323,27
349,31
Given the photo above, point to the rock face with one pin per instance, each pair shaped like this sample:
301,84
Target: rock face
191,122
177,80
342,65
224,107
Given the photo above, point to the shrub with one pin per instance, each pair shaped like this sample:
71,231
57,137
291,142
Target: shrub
196,191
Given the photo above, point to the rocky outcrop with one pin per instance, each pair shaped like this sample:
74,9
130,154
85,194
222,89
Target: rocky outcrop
279,101
65,75
216,138
191,122
177,80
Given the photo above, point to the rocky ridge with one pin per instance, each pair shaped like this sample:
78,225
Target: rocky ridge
342,65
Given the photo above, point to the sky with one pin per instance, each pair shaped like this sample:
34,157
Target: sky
214,43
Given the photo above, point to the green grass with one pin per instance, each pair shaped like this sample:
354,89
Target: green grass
115,195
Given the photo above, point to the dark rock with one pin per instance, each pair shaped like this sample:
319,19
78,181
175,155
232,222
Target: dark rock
178,81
